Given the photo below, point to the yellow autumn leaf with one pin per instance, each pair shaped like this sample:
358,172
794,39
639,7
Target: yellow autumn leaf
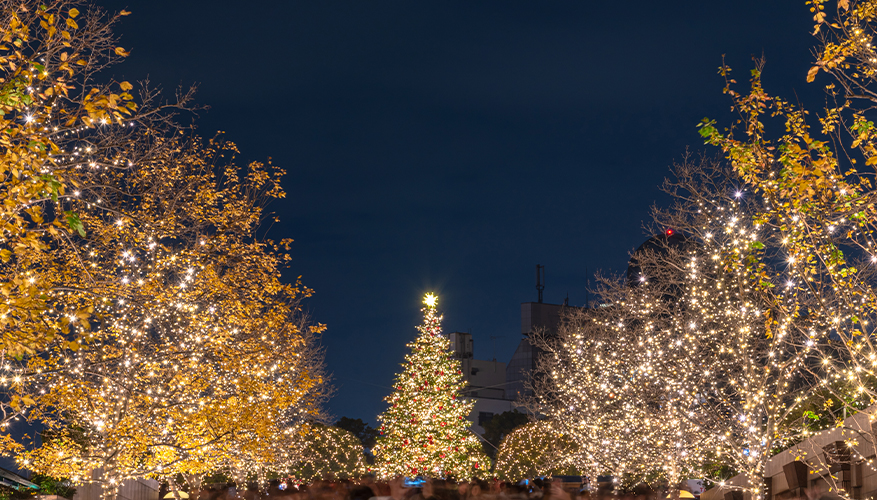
35,316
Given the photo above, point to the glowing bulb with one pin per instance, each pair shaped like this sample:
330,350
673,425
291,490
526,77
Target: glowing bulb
430,299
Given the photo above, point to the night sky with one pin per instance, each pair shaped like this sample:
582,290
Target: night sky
450,146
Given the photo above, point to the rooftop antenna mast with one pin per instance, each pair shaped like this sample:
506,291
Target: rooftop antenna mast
540,280
493,338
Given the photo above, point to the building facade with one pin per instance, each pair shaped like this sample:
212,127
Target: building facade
486,382
839,458
535,316
499,387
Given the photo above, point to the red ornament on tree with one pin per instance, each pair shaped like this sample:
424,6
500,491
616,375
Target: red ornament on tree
427,387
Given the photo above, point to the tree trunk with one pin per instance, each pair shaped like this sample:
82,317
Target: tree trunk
175,489
194,481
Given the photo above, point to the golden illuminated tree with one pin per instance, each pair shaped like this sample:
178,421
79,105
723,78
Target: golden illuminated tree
200,359
146,320
425,431
756,351
60,127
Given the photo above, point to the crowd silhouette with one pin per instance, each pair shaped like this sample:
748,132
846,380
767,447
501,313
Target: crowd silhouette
431,489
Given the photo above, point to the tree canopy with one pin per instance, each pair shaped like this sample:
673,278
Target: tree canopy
146,323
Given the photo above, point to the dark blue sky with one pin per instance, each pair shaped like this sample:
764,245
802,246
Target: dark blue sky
450,146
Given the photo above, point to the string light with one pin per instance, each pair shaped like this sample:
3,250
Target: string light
425,430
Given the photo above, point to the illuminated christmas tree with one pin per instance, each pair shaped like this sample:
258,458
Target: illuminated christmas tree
425,430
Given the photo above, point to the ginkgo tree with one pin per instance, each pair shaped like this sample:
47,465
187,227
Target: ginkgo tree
147,325
197,357
58,126
815,181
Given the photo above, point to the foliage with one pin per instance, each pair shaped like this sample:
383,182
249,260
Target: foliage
180,377
366,434
59,127
425,429
153,333
536,449
52,486
45,486
826,407
499,427
46,97
818,199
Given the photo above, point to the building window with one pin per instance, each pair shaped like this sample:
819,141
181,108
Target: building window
484,417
